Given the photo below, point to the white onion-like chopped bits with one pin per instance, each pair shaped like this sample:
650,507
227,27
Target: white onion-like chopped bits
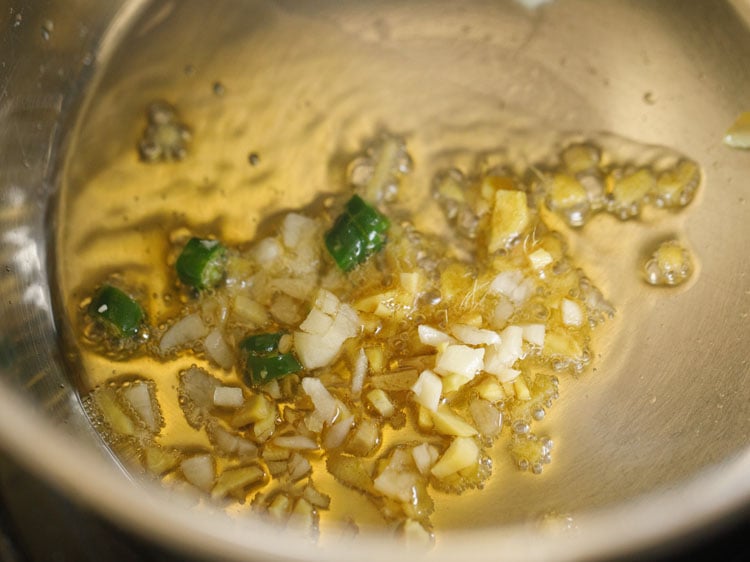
507,375
572,315
502,312
186,330
540,259
396,484
314,421
295,228
380,401
501,356
425,455
324,403
431,336
267,250
513,285
314,351
512,336
228,397
196,391
475,336
327,302
139,395
338,433
534,334
199,471
299,289
460,360
359,372
497,361
427,390
218,350
249,311
317,322
295,442
318,349
228,443
299,466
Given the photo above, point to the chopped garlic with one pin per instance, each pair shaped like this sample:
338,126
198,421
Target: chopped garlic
410,282
230,444
396,484
380,401
218,350
295,228
474,336
327,302
451,383
317,322
502,312
295,442
424,418
249,311
300,289
503,355
448,422
233,479
507,375
572,315
425,456
510,217
140,396
427,390
513,285
490,390
562,343
533,333
256,409
431,336
324,403
540,259
338,432
359,372
460,360
228,396
365,438
199,471
462,453
319,342
186,330
267,250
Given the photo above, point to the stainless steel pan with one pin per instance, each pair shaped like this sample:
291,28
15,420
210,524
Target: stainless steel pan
654,446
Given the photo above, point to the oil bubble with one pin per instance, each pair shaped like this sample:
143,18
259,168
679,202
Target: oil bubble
670,265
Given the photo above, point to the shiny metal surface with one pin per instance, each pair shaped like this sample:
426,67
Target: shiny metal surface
653,446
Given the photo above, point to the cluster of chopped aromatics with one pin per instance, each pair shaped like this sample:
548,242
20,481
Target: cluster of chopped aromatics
346,342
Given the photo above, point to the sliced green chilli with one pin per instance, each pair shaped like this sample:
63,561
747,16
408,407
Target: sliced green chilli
263,361
358,233
122,315
202,263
